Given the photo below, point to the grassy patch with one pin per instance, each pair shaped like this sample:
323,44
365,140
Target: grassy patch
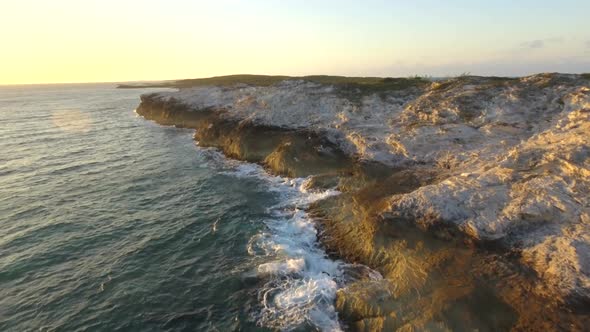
349,86
586,76
484,82
257,80
354,88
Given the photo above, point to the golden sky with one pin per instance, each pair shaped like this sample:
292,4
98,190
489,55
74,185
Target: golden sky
105,41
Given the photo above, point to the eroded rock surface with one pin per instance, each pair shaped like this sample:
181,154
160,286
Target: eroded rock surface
488,160
533,197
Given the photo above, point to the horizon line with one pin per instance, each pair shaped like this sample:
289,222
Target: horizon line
294,76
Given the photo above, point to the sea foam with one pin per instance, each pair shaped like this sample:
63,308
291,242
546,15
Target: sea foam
299,281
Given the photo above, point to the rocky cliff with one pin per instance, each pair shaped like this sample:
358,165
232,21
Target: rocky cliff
499,165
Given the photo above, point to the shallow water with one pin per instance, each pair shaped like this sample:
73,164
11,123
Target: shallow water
111,222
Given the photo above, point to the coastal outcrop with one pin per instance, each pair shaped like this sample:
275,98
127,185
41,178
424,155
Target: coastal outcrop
454,190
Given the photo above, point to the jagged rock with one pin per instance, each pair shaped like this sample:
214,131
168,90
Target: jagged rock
503,161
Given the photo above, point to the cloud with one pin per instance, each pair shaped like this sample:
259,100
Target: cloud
534,44
541,43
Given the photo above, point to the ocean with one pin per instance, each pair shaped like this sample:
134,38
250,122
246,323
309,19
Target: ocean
110,222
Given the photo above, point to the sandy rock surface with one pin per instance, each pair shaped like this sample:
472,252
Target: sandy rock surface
513,156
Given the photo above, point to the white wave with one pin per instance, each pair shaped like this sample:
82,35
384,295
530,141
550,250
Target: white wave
290,266
301,281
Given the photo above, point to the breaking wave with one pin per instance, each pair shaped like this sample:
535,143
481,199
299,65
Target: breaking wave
299,280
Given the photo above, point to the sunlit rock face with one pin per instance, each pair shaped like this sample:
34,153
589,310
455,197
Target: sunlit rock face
482,161
533,196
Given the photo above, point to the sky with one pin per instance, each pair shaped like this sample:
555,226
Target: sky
63,41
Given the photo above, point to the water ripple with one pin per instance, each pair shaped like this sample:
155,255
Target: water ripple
121,224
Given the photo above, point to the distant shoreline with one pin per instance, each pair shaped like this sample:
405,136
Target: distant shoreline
267,80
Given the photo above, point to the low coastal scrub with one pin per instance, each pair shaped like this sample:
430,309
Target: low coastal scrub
364,84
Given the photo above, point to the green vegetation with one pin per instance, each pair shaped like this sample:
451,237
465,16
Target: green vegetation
484,82
354,88
364,83
257,80
350,85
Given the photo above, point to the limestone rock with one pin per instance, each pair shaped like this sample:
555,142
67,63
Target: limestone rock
512,156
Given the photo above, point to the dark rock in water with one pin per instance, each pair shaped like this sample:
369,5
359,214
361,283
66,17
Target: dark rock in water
323,181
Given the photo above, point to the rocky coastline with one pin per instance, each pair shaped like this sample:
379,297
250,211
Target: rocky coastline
471,191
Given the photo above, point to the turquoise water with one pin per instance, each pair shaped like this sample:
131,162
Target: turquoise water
110,222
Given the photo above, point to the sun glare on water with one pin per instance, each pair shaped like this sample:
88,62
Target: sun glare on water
72,121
